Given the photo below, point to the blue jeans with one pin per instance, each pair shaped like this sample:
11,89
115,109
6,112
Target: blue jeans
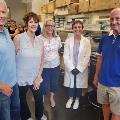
50,77
4,107
74,92
15,104
10,106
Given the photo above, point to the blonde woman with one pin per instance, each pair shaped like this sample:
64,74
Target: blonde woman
51,71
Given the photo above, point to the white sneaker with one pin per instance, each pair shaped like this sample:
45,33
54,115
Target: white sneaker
44,117
69,103
76,104
29,119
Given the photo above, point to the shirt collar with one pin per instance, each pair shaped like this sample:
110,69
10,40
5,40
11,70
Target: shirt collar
111,33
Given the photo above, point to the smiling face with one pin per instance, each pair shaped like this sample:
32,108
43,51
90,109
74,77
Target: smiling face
77,29
115,21
32,25
50,27
3,14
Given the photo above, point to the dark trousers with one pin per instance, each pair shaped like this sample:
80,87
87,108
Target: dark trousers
24,109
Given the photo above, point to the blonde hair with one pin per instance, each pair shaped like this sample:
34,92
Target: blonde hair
44,28
4,3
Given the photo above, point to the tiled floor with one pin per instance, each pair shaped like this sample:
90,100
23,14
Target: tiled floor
85,111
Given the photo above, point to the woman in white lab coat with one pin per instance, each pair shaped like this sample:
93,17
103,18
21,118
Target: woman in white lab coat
77,53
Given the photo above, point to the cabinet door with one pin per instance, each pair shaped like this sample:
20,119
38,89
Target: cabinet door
83,6
61,3
74,1
115,3
103,4
73,9
50,7
92,5
44,9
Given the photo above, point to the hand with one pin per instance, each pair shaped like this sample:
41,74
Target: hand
36,83
95,81
6,89
75,71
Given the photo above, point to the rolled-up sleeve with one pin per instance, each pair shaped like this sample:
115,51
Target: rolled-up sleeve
99,49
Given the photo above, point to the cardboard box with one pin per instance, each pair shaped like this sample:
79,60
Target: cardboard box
103,4
73,9
51,7
44,9
83,6
61,3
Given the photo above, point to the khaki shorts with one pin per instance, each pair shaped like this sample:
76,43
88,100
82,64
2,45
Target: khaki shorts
109,95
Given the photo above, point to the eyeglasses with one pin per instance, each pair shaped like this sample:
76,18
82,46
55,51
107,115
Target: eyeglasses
50,25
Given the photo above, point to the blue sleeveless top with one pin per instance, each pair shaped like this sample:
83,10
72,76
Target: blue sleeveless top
28,60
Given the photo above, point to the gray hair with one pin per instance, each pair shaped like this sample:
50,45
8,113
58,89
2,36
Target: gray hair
4,3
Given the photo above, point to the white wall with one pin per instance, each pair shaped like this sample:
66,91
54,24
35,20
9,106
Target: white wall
17,9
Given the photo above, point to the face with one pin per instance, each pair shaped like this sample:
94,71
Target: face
20,28
3,15
32,25
115,21
13,24
77,29
50,27
8,22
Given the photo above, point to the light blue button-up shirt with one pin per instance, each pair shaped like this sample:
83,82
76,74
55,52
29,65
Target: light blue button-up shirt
7,59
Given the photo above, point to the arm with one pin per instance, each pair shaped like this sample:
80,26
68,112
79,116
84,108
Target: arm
67,57
6,89
85,58
42,62
37,81
99,62
16,41
16,32
98,67
60,45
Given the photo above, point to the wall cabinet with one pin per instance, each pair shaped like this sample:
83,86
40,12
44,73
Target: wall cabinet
44,9
103,5
61,3
51,7
83,6
73,9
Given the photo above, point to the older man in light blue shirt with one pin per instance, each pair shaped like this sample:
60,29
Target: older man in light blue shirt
9,96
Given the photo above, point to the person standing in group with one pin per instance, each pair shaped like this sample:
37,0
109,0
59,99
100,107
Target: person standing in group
9,92
19,29
38,31
12,28
77,53
107,76
29,62
51,71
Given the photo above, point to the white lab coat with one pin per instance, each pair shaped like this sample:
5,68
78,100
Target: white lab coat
83,62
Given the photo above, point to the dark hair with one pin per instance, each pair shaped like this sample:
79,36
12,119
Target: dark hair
77,22
30,15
